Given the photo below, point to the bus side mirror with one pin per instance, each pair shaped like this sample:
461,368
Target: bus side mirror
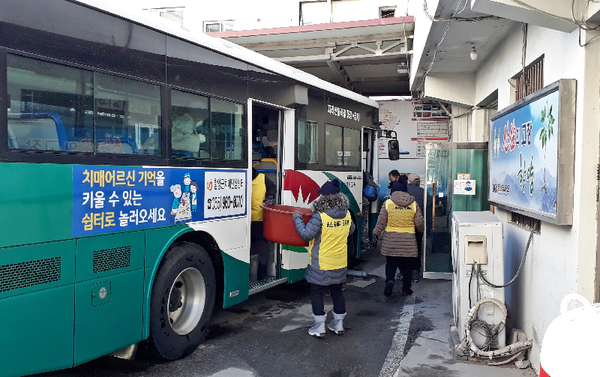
393,150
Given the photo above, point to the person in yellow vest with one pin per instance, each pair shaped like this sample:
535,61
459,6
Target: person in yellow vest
263,191
327,232
399,217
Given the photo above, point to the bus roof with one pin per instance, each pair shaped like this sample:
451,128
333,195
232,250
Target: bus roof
227,48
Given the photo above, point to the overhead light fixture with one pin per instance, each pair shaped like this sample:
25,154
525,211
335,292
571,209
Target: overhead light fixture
473,53
402,69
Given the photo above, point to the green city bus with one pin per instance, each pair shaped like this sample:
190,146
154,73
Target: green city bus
126,152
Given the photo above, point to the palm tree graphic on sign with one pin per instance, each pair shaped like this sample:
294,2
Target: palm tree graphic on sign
546,133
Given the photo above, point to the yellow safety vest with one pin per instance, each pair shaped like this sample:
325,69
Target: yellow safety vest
333,250
400,219
259,190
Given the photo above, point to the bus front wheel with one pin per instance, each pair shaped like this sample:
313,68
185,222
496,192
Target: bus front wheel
183,298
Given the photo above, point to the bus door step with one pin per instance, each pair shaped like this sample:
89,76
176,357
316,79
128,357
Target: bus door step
259,287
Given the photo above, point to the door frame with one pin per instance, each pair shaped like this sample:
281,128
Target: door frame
440,146
286,136
371,166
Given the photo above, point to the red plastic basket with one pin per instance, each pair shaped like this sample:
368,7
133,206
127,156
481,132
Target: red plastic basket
278,224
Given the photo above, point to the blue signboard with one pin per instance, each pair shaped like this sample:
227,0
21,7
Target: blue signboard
524,156
111,199
526,171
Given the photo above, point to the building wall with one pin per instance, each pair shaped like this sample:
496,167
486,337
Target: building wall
365,9
249,15
462,122
398,116
562,259
422,28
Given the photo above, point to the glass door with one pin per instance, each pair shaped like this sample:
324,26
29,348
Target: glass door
450,166
369,209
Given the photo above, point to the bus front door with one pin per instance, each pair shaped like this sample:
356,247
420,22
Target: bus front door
269,123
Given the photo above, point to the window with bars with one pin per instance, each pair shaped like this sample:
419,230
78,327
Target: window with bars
385,12
530,79
218,26
526,222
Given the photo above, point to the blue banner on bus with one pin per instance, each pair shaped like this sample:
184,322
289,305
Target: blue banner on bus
112,199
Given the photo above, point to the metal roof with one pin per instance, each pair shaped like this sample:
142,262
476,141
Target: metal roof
370,57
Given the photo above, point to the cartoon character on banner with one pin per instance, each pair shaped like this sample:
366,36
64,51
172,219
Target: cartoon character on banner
194,187
181,208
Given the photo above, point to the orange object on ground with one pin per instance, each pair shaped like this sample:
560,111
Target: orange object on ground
278,224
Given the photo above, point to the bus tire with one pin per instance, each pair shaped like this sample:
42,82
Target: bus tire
182,301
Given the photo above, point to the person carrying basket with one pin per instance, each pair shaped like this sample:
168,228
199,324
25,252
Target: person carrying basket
327,232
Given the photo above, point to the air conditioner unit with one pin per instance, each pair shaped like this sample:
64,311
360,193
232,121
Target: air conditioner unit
477,245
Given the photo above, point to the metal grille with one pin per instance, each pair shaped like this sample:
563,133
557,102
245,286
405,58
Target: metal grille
112,259
530,80
29,274
526,222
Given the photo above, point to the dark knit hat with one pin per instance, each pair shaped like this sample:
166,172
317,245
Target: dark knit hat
330,188
399,185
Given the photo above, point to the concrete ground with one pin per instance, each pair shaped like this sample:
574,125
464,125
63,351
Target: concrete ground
422,345
266,336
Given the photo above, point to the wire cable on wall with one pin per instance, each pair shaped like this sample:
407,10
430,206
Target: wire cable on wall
480,274
455,13
473,272
524,58
441,40
582,24
451,18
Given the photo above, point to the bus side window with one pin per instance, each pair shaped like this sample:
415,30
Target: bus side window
12,139
227,131
40,131
308,141
207,128
37,134
127,113
49,104
189,113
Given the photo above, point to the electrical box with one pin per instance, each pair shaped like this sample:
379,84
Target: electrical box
475,250
477,244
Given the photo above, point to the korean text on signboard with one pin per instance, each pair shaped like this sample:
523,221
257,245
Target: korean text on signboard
523,156
343,113
224,195
111,199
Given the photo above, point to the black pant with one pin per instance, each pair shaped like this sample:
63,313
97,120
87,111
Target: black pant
405,264
316,298
258,243
418,263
